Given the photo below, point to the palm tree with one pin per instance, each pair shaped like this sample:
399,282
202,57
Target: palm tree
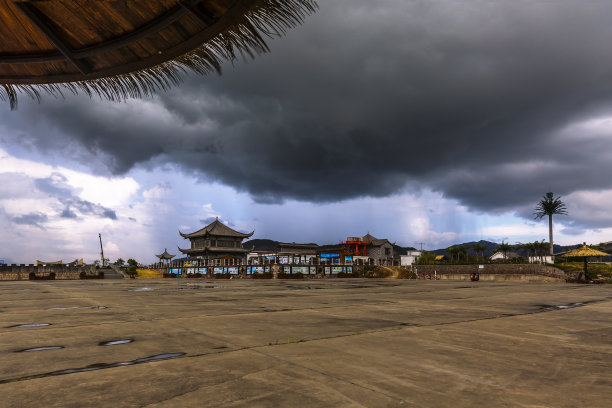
541,247
504,248
453,252
479,248
550,205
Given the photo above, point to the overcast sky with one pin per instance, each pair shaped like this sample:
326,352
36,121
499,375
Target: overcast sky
434,122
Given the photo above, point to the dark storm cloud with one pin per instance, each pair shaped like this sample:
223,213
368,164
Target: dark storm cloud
477,100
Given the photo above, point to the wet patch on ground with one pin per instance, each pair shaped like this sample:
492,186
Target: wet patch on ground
97,366
547,308
78,307
115,342
43,348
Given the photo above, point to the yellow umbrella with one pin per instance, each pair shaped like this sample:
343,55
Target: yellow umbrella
584,252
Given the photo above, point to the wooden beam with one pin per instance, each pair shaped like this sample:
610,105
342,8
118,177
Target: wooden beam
198,39
152,27
42,22
192,7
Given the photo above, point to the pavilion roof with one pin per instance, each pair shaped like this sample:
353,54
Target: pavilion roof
165,255
584,251
121,49
216,228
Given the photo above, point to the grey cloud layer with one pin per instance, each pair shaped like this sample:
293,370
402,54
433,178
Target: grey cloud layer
472,99
69,205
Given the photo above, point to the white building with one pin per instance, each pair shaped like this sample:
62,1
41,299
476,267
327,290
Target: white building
410,258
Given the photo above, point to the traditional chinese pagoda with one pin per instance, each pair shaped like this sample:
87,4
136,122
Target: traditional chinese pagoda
217,244
165,256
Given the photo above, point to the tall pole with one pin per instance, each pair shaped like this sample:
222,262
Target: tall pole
101,250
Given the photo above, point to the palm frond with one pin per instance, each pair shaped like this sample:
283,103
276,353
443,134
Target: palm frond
549,205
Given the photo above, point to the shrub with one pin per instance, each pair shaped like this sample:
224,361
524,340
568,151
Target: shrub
283,275
263,275
347,275
377,272
222,275
407,274
169,275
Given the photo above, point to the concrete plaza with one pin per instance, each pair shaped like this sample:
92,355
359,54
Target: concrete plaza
314,343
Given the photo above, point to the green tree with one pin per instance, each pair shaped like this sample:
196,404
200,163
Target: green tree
426,258
504,248
550,205
479,248
119,262
131,270
530,249
541,249
455,252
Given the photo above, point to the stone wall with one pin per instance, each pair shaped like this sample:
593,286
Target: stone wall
378,252
520,272
62,272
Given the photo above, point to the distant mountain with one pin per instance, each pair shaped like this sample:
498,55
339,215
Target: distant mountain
400,250
271,245
260,245
492,247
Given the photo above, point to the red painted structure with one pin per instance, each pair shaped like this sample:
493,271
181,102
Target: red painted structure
355,246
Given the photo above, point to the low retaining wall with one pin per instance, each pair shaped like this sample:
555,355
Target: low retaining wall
246,271
62,272
492,272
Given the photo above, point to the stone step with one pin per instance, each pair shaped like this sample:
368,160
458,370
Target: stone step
112,274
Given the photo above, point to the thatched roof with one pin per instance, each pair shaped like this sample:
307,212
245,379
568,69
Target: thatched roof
584,251
121,49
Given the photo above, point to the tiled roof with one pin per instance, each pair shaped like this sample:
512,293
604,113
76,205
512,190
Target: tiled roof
216,228
374,241
165,255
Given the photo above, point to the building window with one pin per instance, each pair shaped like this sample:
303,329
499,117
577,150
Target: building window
387,251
